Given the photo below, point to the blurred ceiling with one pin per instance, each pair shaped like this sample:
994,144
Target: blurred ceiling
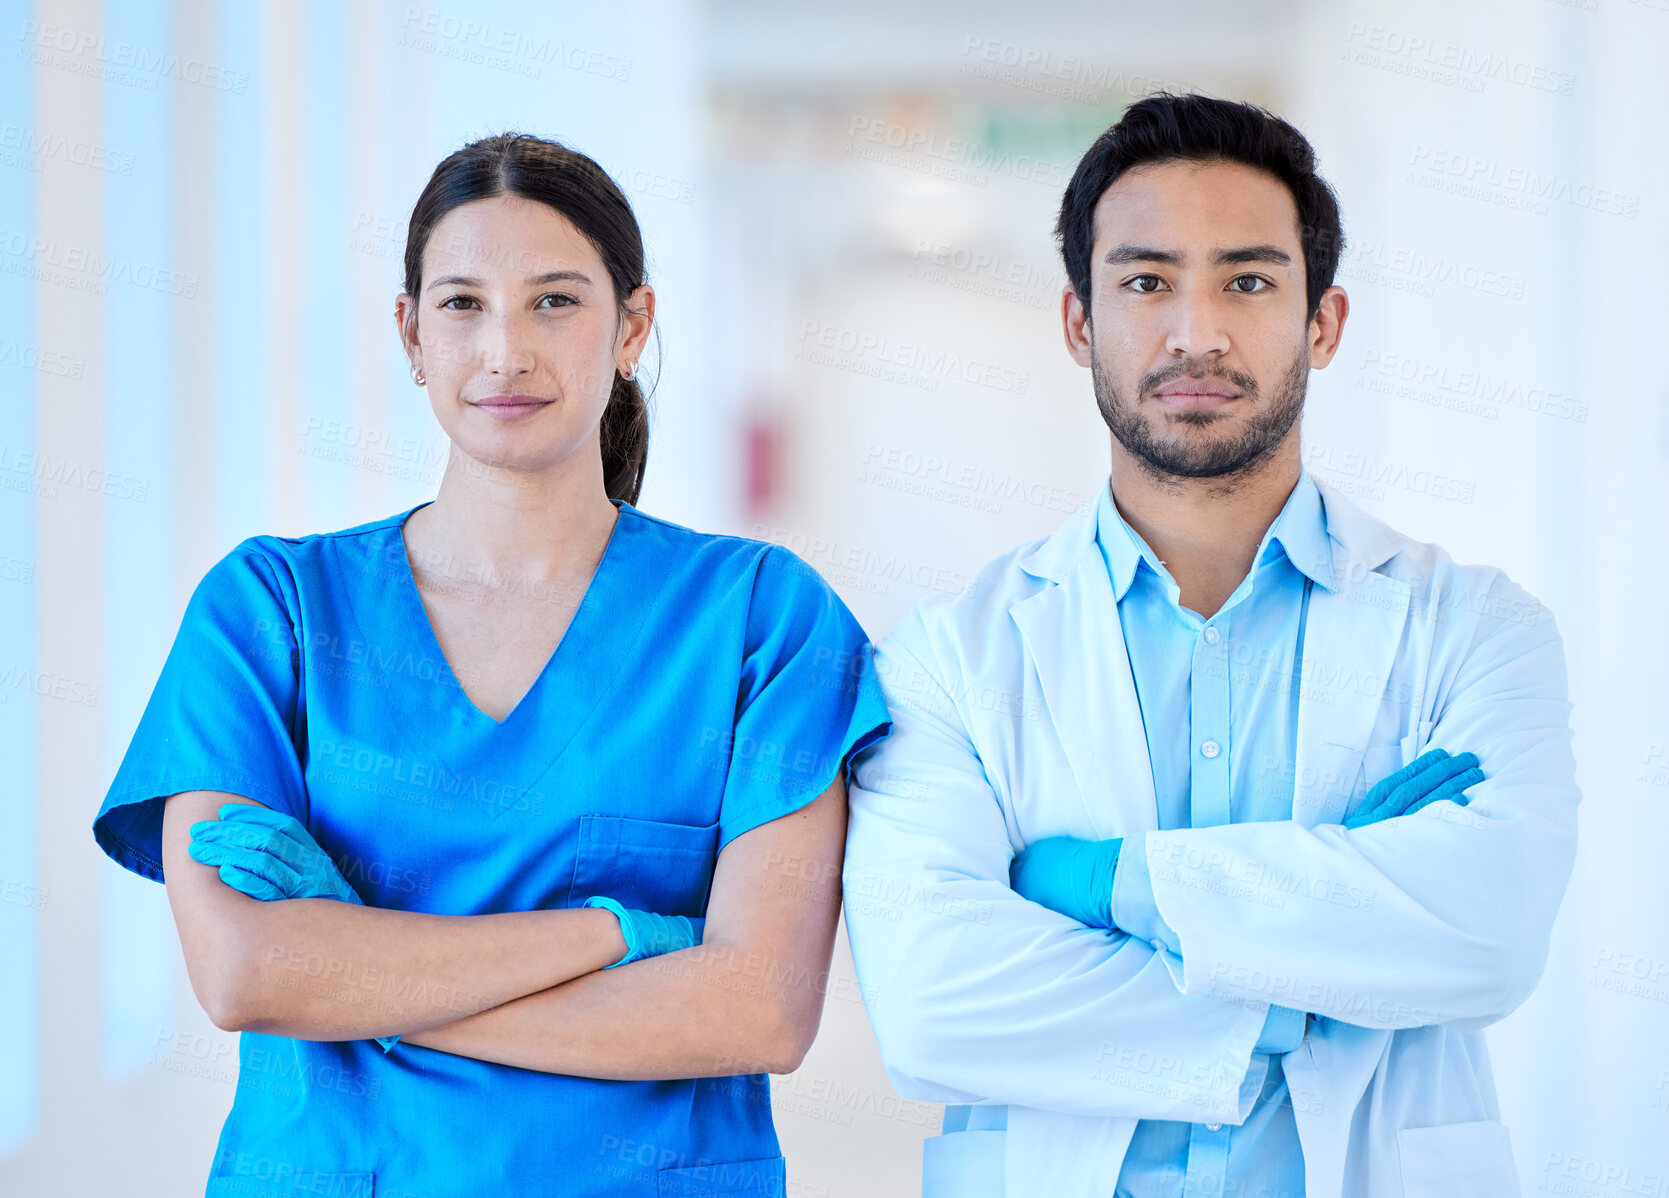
926,43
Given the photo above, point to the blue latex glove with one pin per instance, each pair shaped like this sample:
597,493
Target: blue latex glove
1072,876
648,934
269,855
1432,776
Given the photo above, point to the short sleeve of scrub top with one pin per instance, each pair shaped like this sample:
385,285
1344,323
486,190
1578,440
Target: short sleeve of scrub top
225,713
809,696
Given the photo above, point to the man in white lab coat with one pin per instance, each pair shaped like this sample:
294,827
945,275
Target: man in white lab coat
1169,712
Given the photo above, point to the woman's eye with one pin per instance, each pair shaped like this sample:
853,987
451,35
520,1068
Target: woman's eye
1147,290
562,301
1239,279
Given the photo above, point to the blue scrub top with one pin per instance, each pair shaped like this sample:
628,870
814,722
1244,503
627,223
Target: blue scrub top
706,684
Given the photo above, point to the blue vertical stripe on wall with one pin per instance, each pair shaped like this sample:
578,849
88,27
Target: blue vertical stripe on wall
243,212
20,357
327,286
136,934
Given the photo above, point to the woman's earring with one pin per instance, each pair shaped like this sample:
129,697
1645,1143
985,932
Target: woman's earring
630,372
417,376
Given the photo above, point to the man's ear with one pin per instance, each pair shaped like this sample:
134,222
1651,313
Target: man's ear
1075,326
1327,326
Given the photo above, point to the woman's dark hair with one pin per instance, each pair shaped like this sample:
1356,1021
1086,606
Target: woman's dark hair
571,183
1165,127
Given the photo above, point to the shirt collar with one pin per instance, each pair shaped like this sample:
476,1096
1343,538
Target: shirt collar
1300,530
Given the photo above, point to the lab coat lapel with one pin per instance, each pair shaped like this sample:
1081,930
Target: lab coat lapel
1075,643
1351,641
1326,1077
1350,644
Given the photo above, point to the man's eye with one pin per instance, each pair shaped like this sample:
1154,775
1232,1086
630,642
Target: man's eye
1259,279
1147,290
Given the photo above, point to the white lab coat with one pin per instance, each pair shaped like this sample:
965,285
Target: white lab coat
1015,718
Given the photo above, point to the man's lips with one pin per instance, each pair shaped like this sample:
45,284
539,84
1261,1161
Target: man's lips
1190,393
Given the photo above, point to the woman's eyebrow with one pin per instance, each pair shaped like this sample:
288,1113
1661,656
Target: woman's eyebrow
553,276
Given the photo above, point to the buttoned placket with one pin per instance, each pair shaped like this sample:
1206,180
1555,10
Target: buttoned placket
1210,682
1208,805
1209,712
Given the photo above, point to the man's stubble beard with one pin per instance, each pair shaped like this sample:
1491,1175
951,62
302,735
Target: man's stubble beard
1229,463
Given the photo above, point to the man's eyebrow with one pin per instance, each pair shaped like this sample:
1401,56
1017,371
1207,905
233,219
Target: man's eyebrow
1121,254
553,276
1251,253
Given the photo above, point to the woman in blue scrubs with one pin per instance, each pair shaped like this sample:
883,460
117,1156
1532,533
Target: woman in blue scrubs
460,723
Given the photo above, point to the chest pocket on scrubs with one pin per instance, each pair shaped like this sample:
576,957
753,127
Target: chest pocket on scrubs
645,864
764,1178
244,1174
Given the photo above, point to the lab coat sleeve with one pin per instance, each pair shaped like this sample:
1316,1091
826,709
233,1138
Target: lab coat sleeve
1439,917
1136,912
977,995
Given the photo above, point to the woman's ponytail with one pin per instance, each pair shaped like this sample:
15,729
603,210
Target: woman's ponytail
624,433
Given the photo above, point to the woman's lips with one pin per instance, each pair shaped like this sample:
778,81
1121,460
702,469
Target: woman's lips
509,407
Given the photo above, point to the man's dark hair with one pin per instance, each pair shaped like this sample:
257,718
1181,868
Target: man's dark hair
1165,127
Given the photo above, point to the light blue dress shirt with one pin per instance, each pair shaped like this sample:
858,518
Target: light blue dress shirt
1219,703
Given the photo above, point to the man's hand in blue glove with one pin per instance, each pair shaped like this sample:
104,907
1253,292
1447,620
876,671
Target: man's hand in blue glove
648,934
1072,876
267,855
1429,777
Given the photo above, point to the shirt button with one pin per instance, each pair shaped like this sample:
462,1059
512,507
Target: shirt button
1213,1127
1211,637
1210,749
1158,944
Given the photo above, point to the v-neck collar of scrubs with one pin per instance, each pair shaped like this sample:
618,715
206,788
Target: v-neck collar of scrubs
608,596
